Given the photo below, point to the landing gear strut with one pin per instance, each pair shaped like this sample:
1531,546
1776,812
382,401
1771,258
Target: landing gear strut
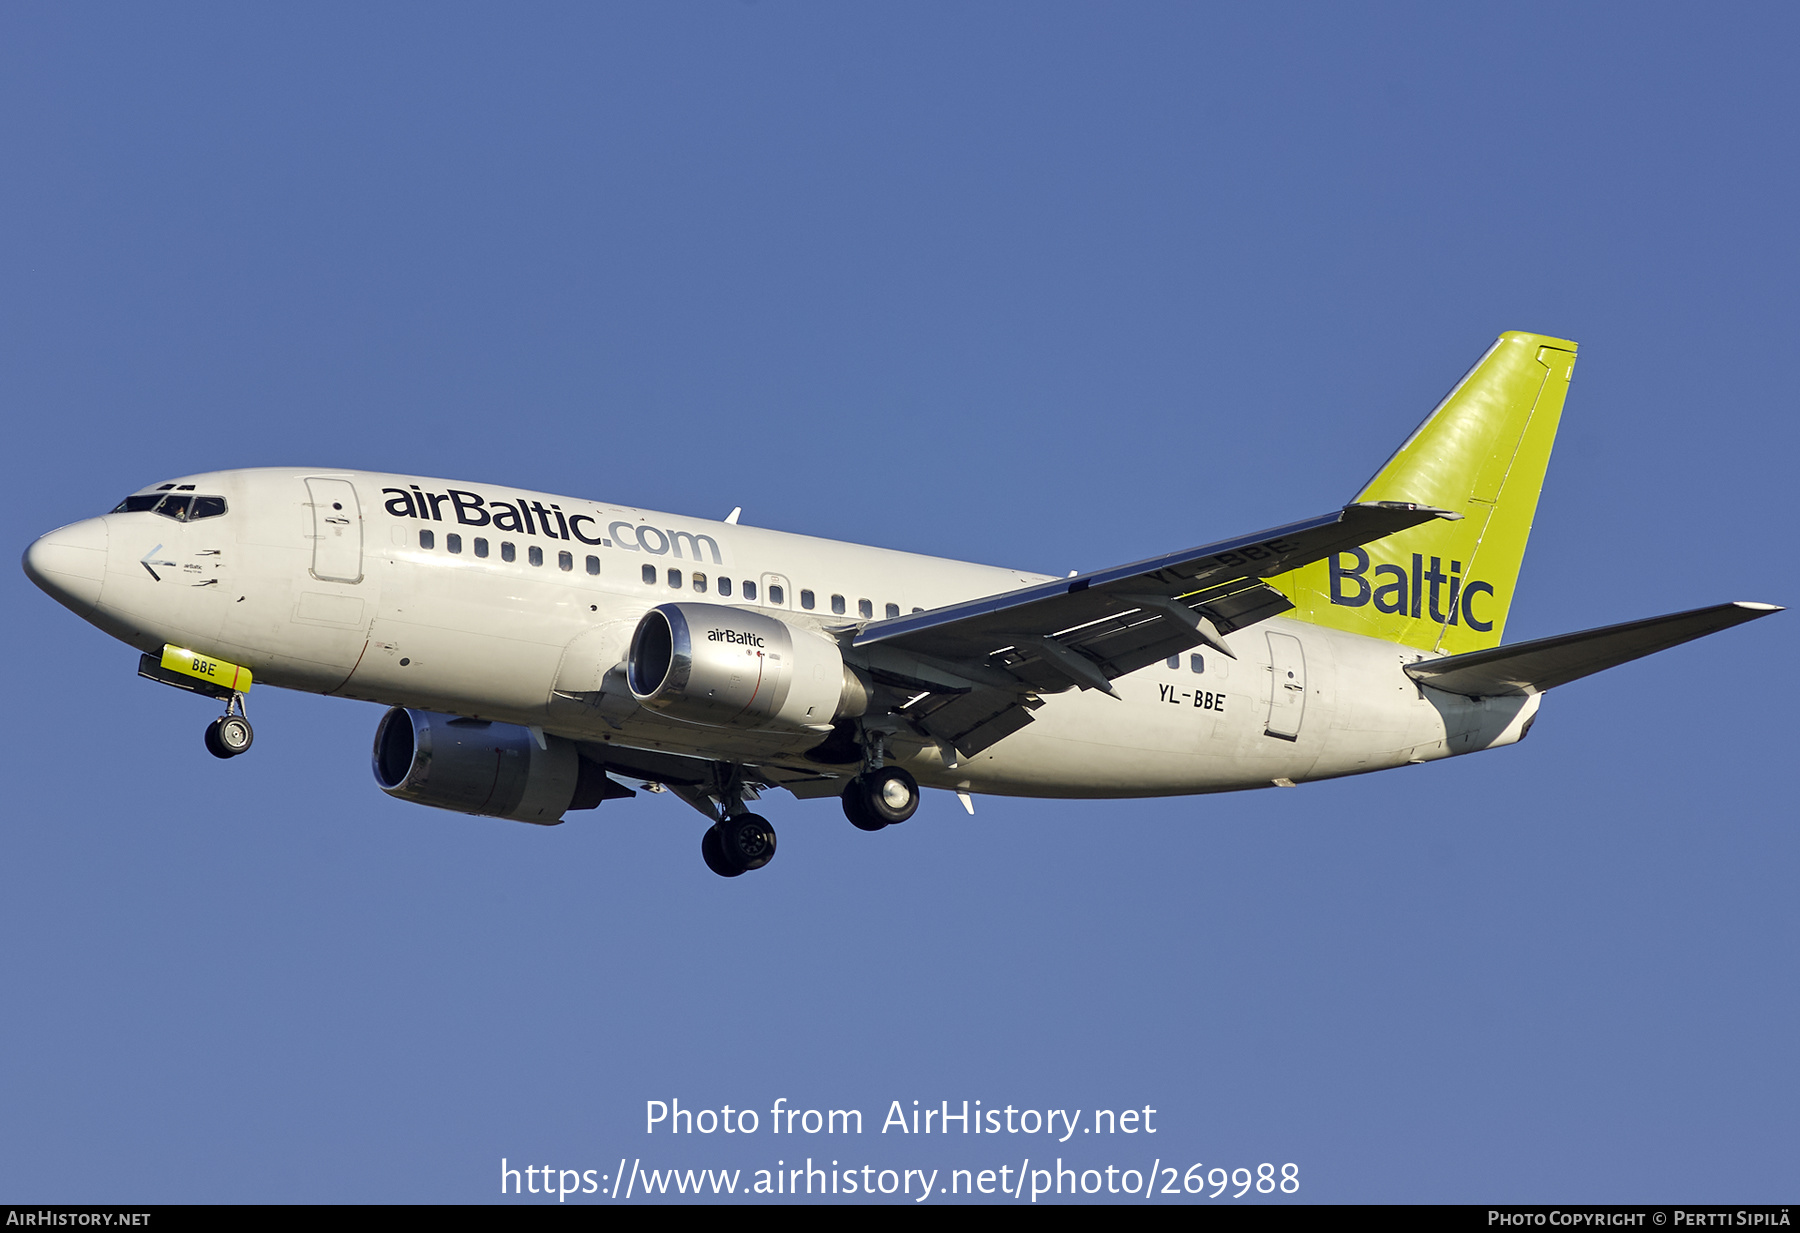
230,734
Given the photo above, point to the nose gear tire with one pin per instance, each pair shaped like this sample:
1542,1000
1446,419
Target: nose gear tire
235,734
228,736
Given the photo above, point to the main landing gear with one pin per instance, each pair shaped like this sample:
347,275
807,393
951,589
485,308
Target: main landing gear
738,841
738,844
882,797
230,734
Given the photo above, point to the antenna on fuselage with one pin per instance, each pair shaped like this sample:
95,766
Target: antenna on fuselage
732,517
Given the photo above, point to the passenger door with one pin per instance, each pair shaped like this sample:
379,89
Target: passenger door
337,530
1287,689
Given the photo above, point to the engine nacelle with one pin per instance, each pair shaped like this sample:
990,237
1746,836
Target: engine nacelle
736,667
476,766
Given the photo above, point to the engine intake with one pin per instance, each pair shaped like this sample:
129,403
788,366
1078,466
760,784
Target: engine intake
733,667
492,769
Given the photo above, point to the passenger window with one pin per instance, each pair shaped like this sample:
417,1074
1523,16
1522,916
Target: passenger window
427,539
725,587
806,598
208,507
649,575
837,604
565,561
893,610
1196,663
174,507
507,551
700,583
675,579
918,609
1174,661
593,566
777,596
480,547
535,555
750,589
864,608
453,542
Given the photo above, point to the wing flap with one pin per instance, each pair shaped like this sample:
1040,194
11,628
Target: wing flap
1120,645
969,723
1533,667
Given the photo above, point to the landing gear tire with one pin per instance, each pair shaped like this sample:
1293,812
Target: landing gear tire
228,736
885,797
857,810
235,734
714,855
746,841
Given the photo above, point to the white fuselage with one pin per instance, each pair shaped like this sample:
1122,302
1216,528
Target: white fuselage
352,603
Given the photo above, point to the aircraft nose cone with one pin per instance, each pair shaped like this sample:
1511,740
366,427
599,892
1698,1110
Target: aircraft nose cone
70,563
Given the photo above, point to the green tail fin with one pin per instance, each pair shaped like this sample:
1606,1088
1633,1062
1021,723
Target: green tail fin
1447,586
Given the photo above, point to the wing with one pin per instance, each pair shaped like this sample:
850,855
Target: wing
981,665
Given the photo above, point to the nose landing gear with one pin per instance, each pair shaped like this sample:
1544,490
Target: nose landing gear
230,734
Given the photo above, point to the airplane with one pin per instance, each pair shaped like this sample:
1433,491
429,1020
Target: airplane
535,650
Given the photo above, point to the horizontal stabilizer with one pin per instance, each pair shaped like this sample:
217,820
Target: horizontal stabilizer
1533,667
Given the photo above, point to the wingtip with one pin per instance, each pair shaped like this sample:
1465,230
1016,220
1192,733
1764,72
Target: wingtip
1759,609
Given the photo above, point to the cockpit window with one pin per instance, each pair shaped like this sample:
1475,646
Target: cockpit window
179,506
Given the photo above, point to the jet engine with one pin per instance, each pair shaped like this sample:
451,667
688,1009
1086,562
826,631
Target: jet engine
493,769
735,667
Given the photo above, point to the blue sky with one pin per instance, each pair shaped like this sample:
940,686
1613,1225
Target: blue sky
1051,286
